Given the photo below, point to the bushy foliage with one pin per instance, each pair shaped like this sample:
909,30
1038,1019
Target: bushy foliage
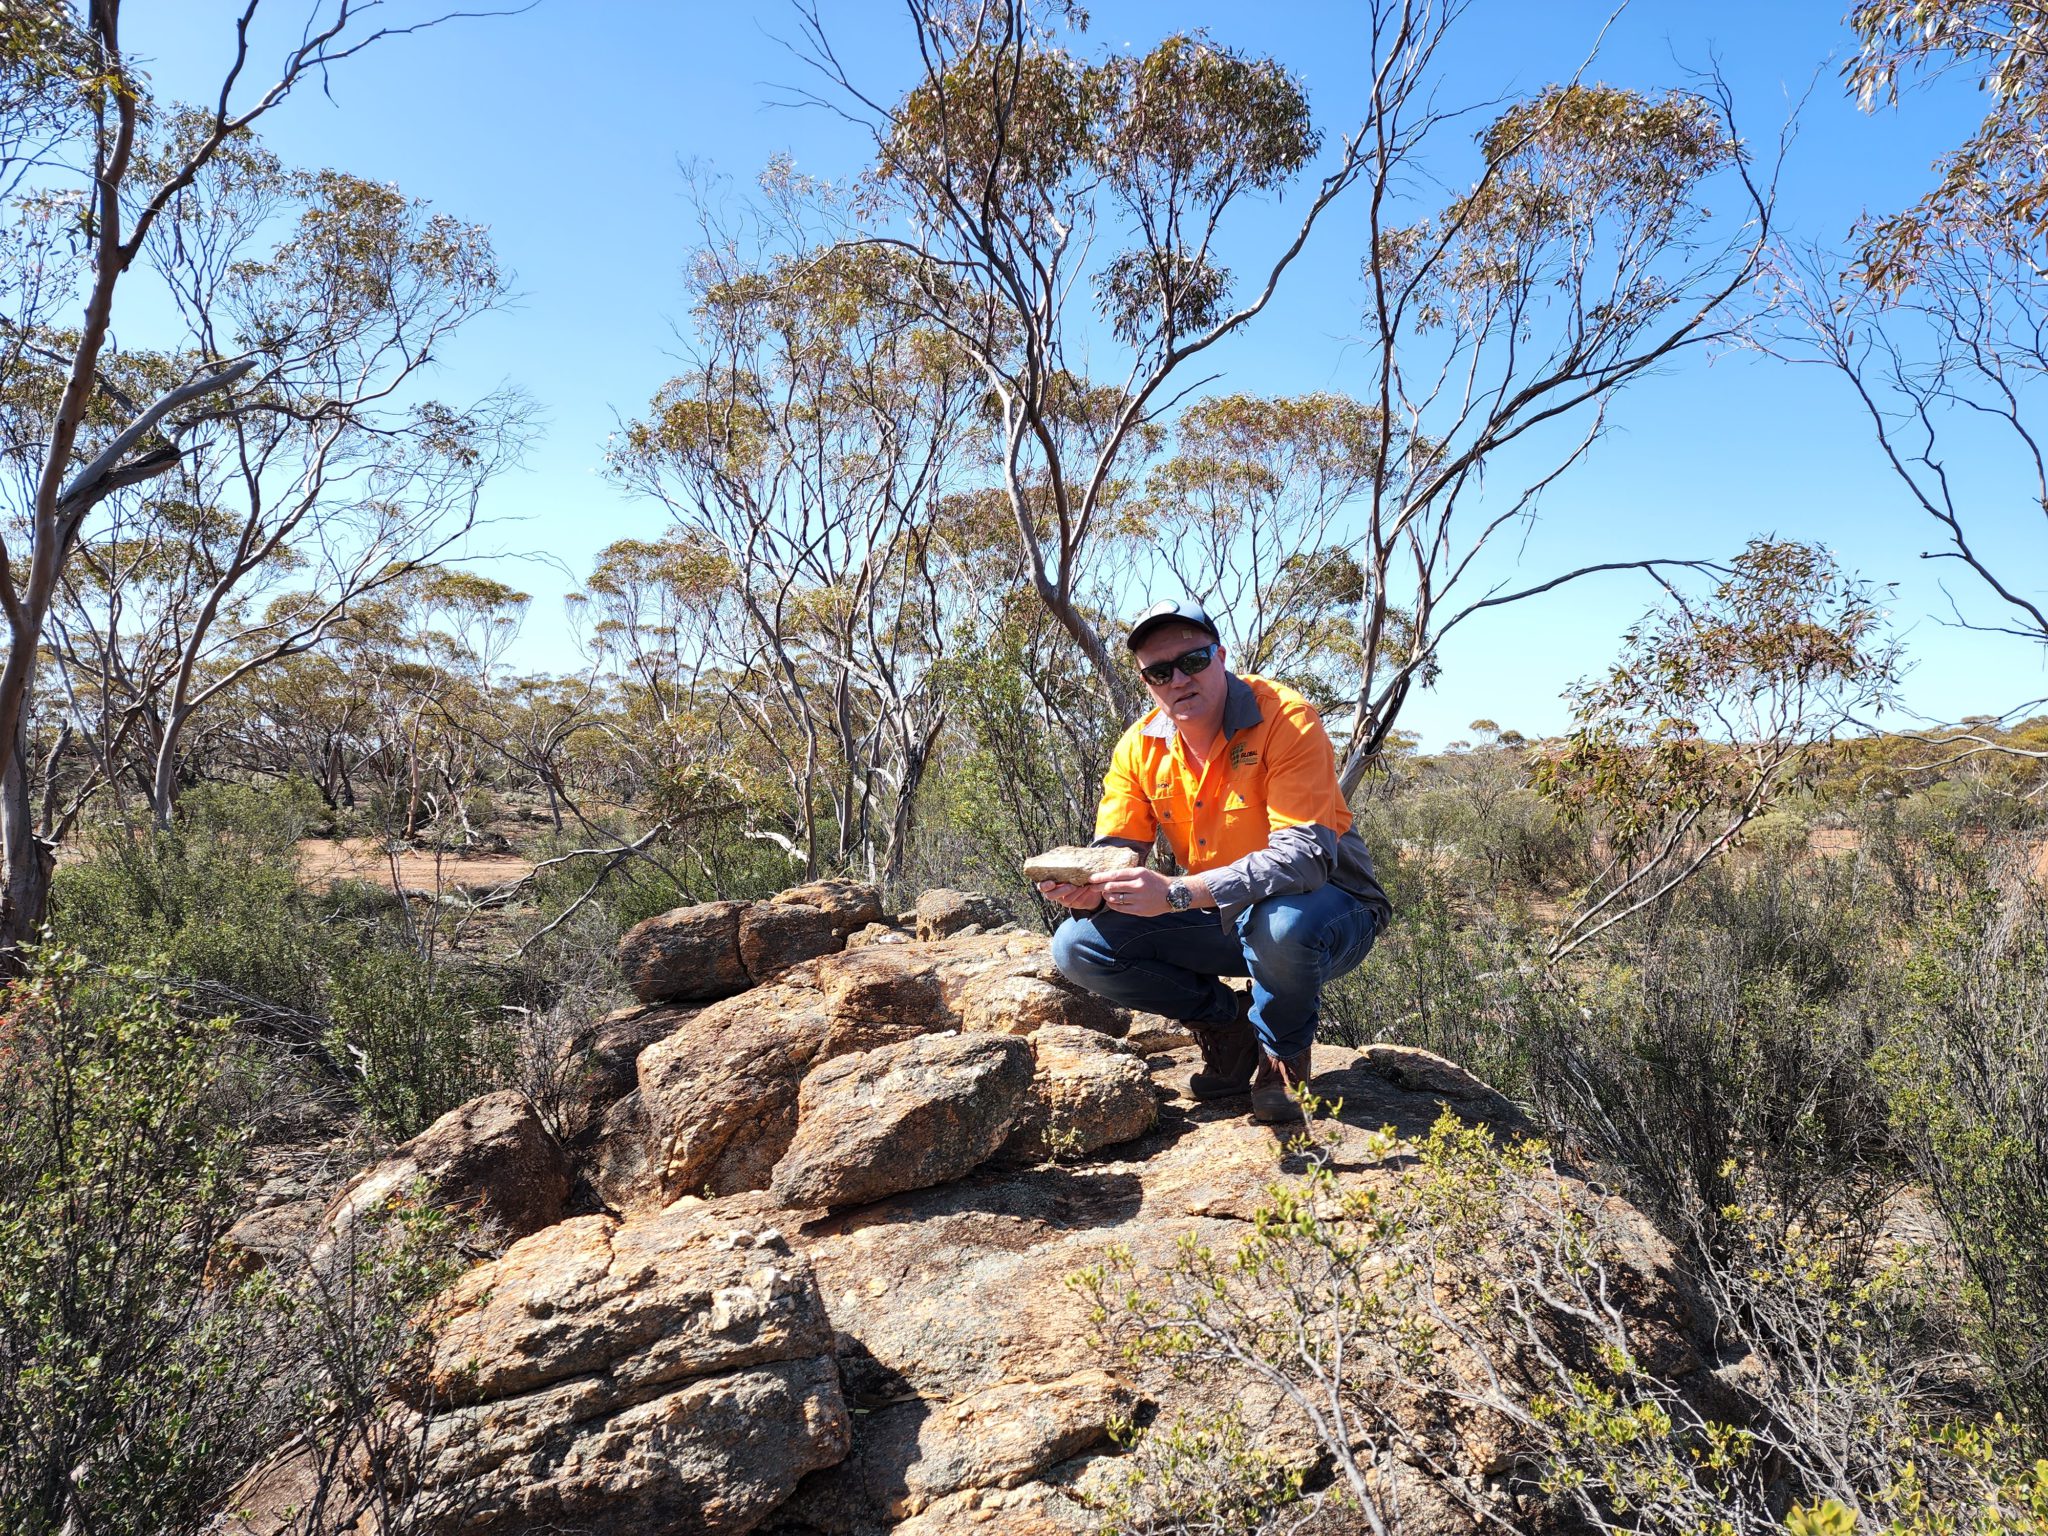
216,896
126,1380
1464,1297
1967,1073
1737,1028
215,906
140,1367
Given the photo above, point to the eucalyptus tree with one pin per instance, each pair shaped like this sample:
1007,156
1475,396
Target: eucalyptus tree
330,480
1582,255
1715,707
1936,318
1061,217
1253,510
809,448
1052,207
91,172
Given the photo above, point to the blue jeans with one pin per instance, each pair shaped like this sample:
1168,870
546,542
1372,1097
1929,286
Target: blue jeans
1289,945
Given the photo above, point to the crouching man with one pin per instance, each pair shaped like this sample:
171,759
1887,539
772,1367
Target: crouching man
1240,775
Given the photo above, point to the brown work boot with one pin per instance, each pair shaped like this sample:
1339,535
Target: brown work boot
1276,1089
1229,1052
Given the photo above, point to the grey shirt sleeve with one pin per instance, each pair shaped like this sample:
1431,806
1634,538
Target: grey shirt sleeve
1294,859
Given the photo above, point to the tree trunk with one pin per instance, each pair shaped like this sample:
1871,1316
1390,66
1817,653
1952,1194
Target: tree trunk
29,862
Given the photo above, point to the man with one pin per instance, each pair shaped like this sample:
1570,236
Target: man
1240,775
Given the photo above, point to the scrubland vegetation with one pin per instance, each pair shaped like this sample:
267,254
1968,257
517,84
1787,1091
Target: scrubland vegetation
1777,977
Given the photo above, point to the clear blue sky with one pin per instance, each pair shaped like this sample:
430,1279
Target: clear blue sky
563,129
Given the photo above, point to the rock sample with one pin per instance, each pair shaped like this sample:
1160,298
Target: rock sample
902,1117
491,1161
1073,866
671,1376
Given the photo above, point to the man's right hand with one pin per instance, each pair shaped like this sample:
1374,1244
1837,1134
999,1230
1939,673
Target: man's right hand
1076,898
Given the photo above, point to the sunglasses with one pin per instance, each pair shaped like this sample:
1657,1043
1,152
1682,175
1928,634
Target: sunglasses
1191,664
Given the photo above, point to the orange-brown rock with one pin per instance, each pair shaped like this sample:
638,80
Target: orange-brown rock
911,1455
1088,1091
901,1117
597,1065
490,1160
690,954
942,913
847,903
868,1326
717,948
718,1097
716,1101
671,1375
776,935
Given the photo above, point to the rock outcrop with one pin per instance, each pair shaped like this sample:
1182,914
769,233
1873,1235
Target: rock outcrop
943,913
1087,1092
716,1104
670,1375
833,1296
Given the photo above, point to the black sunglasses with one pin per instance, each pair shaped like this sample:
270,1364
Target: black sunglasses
1191,664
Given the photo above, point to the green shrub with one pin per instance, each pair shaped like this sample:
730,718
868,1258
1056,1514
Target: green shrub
1966,1064
216,896
1733,1028
1463,1294
422,1038
128,1383
215,905
1462,988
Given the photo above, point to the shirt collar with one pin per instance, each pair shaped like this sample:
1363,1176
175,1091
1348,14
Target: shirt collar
1240,711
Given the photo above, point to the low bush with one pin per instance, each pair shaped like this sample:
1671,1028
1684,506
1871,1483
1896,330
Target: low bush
127,1382
1461,986
1733,1027
1463,1300
1966,1065
140,1371
214,906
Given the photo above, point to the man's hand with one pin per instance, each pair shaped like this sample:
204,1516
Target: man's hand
1137,892
1076,898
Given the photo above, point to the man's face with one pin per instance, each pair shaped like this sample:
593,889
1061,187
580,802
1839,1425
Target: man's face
1188,701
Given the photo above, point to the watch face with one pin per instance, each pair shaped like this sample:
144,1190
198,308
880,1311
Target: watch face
1177,895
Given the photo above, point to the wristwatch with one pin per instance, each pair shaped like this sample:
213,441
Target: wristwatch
1178,896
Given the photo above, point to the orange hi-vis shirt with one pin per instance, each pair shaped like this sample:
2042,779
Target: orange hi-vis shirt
1264,815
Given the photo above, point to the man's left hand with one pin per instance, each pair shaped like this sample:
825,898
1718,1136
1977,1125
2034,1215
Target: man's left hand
1136,892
